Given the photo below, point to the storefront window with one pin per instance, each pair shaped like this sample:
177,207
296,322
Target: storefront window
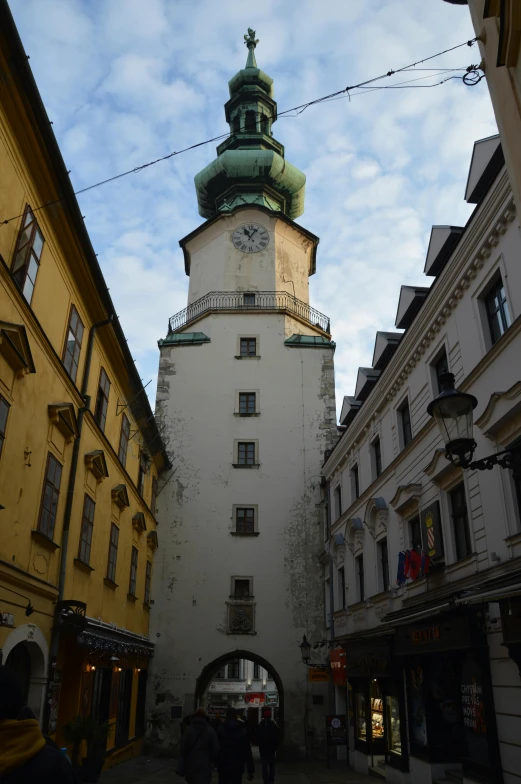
361,727
392,707
377,711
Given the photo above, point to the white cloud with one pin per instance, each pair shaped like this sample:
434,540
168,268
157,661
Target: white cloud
126,82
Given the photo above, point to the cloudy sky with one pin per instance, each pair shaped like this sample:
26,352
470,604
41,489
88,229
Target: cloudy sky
127,81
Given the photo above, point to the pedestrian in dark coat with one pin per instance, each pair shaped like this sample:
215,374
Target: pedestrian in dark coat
199,748
234,750
25,757
268,736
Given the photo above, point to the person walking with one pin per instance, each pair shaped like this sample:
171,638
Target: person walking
198,750
234,750
268,735
25,757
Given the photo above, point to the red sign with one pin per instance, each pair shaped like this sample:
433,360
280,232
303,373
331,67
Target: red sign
255,698
337,660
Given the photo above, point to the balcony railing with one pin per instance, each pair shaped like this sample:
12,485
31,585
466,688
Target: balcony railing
245,301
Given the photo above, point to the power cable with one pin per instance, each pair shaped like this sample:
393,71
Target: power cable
298,109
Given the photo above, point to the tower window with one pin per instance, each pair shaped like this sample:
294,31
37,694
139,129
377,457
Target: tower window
237,123
248,347
265,124
251,122
247,402
245,520
246,453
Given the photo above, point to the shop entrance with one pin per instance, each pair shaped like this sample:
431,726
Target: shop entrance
244,681
26,658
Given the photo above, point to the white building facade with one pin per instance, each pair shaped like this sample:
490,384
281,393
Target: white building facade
246,392
427,556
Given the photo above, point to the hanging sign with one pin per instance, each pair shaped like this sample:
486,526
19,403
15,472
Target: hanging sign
337,660
6,619
318,675
271,698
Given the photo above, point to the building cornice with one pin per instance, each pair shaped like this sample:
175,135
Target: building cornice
471,254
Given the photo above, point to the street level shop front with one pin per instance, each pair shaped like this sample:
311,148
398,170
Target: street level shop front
376,706
450,708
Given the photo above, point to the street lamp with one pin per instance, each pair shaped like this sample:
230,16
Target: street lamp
305,650
453,413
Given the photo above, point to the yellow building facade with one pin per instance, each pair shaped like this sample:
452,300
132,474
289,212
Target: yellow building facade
81,457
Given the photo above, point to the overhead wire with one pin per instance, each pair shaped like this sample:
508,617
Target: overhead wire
345,92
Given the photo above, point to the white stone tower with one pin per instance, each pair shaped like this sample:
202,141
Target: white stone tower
246,395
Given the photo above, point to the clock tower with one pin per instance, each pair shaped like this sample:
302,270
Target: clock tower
246,400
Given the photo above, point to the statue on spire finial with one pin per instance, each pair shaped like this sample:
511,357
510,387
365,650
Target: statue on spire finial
250,40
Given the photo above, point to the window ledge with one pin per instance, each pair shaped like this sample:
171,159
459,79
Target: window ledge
514,539
256,356
244,533
147,606
110,583
246,415
241,598
357,606
131,597
461,564
45,541
84,566
247,465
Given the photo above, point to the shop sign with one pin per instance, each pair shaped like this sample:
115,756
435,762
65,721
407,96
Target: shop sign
271,698
216,709
336,729
254,698
366,664
337,661
225,688
318,675
430,634
446,634
431,531
473,709
6,619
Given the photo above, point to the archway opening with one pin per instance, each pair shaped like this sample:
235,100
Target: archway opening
244,681
27,662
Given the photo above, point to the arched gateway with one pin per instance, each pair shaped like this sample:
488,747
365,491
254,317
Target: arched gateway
209,672
246,399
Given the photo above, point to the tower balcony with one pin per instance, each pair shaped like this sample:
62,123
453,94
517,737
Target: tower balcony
249,302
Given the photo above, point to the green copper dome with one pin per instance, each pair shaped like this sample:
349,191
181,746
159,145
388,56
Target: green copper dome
250,167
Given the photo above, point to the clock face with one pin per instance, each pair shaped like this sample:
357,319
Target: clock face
250,238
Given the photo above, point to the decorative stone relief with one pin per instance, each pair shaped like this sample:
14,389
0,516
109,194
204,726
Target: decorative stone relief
376,514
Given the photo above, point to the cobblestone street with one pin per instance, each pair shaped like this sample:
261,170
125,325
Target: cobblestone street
159,770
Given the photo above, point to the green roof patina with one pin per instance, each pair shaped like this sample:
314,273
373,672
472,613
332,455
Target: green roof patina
184,339
250,167
309,341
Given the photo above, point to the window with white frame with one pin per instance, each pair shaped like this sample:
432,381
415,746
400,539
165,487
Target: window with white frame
355,483
439,366
338,501
460,521
376,457
496,307
415,533
383,565
360,580
404,422
341,589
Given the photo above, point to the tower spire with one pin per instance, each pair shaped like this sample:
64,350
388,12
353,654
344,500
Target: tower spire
251,42
250,167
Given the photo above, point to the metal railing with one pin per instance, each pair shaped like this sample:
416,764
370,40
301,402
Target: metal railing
248,301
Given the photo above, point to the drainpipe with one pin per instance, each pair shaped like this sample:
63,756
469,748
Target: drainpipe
55,638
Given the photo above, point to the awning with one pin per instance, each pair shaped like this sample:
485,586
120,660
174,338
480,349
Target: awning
99,637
